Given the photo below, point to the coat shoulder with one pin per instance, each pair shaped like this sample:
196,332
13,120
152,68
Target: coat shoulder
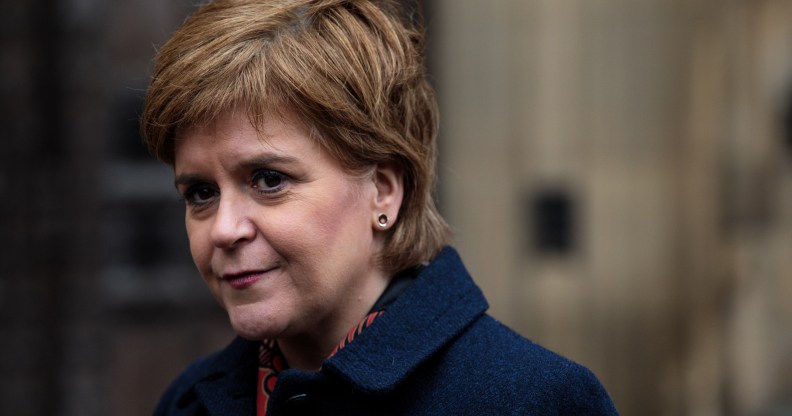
493,342
497,369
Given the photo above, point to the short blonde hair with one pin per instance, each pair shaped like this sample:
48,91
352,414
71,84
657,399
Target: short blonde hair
352,71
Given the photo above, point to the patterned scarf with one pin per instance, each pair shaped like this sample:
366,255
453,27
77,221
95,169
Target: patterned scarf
272,362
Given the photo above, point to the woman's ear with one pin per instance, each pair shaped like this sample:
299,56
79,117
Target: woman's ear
389,184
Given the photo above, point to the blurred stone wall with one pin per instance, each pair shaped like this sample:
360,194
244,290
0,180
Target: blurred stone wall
646,134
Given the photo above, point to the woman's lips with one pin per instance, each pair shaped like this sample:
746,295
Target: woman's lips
243,280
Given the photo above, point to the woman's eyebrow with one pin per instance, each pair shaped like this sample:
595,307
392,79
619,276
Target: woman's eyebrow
187,180
257,162
266,160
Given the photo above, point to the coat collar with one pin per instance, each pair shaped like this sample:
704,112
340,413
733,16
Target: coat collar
438,306
228,385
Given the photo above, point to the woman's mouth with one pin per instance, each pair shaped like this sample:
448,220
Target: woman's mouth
243,280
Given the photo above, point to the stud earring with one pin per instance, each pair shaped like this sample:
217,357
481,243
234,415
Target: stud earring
382,221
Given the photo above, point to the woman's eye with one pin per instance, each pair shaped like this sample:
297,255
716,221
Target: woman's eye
268,181
199,194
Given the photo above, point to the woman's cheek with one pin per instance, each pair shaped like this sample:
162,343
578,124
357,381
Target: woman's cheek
200,249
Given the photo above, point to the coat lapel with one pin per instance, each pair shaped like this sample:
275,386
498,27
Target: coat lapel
231,390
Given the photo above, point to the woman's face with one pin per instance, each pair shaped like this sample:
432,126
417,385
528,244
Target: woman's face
284,238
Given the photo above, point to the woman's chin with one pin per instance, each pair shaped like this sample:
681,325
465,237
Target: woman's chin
253,326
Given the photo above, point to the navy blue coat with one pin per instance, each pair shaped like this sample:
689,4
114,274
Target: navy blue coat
434,352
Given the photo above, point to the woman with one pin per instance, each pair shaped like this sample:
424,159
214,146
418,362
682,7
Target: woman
302,137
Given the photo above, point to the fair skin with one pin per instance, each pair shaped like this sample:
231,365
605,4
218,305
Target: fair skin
284,238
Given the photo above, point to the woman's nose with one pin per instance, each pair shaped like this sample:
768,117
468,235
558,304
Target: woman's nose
232,224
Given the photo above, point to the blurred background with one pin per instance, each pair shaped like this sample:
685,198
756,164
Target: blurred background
618,174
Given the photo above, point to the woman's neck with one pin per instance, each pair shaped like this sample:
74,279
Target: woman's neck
309,349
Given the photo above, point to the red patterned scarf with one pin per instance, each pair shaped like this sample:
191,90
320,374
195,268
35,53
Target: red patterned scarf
272,362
